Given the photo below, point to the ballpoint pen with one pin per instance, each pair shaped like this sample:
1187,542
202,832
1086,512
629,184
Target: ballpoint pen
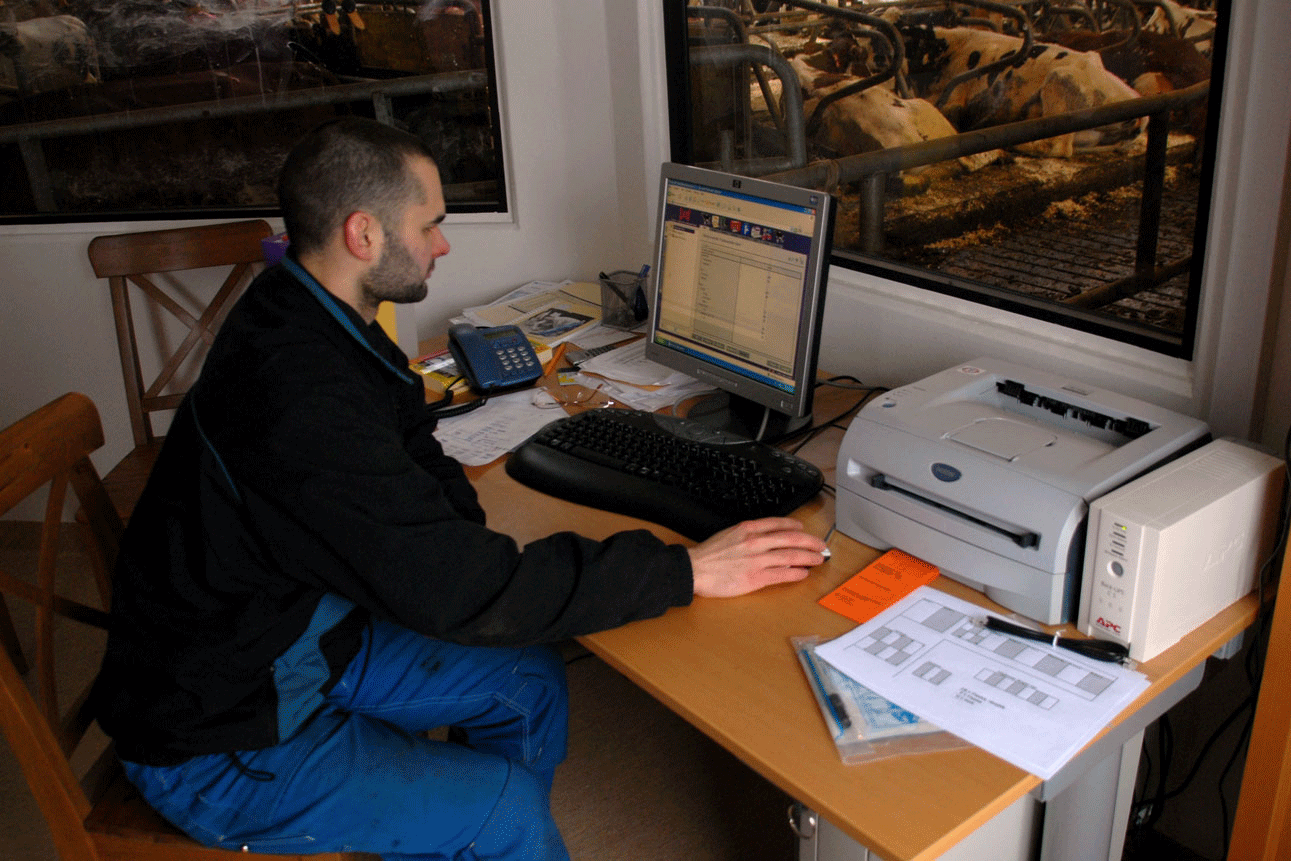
1099,650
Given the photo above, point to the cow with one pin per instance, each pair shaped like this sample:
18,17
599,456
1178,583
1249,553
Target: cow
1051,80
1175,19
1152,63
43,54
1177,59
872,119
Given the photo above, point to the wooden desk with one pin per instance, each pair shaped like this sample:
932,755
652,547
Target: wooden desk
726,666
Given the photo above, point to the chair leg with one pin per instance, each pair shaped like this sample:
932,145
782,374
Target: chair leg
9,638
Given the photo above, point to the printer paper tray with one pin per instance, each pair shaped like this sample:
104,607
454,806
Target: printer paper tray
1045,596
1021,537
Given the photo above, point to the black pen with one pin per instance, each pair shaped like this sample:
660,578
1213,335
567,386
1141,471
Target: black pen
831,699
1099,650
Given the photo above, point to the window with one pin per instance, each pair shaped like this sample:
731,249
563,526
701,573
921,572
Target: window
141,109
1056,163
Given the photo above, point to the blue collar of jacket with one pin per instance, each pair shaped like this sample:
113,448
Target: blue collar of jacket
346,316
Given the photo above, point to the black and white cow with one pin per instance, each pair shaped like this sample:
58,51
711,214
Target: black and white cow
1052,80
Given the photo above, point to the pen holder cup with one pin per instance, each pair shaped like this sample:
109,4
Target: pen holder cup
622,299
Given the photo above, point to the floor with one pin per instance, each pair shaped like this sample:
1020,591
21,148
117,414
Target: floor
639,784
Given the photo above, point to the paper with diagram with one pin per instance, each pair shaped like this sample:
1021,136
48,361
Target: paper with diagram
1028,703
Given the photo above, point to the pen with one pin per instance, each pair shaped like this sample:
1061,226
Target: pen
639,308
1099,650
832,701
555,358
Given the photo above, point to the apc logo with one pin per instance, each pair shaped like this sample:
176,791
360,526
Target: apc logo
1111,626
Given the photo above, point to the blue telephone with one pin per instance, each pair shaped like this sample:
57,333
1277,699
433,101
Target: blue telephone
500,357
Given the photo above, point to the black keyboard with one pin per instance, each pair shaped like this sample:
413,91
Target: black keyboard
671,471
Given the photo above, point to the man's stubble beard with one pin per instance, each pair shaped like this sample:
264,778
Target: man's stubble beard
396,277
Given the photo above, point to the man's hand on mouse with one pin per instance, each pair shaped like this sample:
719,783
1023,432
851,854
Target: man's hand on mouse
753,554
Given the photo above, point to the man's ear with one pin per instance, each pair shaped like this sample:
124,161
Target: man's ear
363,236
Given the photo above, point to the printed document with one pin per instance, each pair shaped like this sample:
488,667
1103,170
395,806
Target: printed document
1031,704
484,435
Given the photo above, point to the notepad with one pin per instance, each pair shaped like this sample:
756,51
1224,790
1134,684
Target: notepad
879,585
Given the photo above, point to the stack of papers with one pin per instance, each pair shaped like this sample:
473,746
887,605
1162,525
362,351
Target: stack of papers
629,378
549,311
484,435
624,376
1031,704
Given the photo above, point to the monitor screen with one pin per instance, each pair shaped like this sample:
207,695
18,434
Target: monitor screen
738,294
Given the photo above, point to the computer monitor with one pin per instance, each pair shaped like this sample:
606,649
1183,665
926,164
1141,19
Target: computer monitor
739,290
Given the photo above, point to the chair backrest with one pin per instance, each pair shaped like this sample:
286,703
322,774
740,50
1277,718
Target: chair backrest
100,817
49,450
142,259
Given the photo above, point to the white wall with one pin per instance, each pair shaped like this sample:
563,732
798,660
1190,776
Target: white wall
583,95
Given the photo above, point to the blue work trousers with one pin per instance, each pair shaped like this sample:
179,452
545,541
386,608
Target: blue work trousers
361,774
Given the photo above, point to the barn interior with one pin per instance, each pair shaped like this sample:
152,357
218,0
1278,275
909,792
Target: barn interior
164,105
1053,154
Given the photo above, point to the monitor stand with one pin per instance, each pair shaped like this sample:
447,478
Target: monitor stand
740,416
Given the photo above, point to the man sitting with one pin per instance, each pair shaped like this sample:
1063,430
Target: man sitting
308,585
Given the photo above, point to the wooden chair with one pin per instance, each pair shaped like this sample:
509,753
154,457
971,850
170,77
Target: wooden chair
146,261
100,818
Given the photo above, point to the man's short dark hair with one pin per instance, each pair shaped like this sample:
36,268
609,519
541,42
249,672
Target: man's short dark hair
341,167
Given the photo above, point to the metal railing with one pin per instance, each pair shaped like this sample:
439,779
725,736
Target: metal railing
30,136
870,170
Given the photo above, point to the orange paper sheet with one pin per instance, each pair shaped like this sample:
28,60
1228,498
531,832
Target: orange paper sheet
879,585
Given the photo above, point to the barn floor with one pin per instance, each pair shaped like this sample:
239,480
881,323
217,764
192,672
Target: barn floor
1091,243
1045,228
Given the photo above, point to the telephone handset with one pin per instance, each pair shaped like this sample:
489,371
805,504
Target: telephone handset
500,357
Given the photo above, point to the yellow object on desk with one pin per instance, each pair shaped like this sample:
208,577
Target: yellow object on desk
555,359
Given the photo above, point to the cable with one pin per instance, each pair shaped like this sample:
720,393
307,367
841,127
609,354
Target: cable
449,412
1206,748
446,397
1165,747
1242,741
812,432
582,655
443,409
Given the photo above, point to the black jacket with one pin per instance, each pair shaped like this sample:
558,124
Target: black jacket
302,464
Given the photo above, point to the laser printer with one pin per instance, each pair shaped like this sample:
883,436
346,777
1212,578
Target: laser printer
987,471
